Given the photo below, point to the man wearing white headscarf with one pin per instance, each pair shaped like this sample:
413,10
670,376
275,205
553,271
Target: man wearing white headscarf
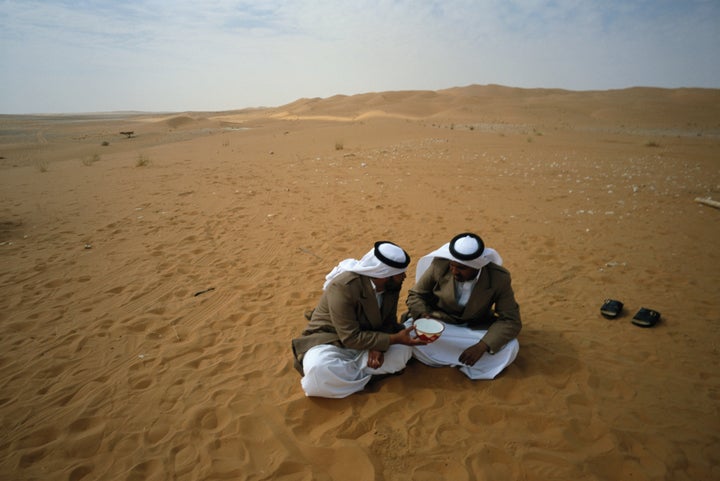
464,285
353,333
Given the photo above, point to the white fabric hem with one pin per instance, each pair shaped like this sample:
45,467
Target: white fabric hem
454,340
336,372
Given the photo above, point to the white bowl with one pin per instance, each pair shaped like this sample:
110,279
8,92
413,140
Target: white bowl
428,329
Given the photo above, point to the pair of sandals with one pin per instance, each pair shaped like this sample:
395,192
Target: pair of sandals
645,317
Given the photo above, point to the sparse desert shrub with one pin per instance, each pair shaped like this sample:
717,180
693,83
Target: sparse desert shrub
41,165
339,145
651,143
105,143
88,161
142,161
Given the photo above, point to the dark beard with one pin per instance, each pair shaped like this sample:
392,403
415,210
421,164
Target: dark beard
392,285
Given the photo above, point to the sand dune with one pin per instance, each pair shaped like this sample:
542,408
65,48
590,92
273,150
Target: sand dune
152,285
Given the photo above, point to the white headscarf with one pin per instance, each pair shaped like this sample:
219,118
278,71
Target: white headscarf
467,249
384,260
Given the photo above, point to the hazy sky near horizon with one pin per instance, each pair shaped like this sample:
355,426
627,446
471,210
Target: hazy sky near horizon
178,55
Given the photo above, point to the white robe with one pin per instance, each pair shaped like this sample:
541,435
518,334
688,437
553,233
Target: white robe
446,350
337,372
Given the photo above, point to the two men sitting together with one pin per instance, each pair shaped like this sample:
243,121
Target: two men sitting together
353,334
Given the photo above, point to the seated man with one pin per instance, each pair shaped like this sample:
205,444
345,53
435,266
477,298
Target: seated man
353,333
463,284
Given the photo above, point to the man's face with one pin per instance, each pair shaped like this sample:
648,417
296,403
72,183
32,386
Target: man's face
394,283
461,272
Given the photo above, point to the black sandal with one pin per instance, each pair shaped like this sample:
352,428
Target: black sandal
646,317
611,308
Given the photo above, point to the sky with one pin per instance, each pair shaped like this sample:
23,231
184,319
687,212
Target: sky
70,56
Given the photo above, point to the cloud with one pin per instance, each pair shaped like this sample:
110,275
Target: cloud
178,55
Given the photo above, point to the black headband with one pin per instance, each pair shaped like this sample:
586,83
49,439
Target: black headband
390,262
467,257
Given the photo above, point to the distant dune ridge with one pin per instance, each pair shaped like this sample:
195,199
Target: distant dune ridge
505,104
151,286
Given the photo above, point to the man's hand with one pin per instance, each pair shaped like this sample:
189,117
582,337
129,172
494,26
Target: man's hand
375,359
472,354
404,337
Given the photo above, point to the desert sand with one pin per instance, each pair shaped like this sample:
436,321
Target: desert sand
151,285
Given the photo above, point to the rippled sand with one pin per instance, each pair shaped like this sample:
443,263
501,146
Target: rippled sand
151,286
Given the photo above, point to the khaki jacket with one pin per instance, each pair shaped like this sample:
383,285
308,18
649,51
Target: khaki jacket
491,306
348,316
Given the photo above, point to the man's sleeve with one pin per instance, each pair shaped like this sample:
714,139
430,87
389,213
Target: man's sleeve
508,323
342,306
420,296
422,299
